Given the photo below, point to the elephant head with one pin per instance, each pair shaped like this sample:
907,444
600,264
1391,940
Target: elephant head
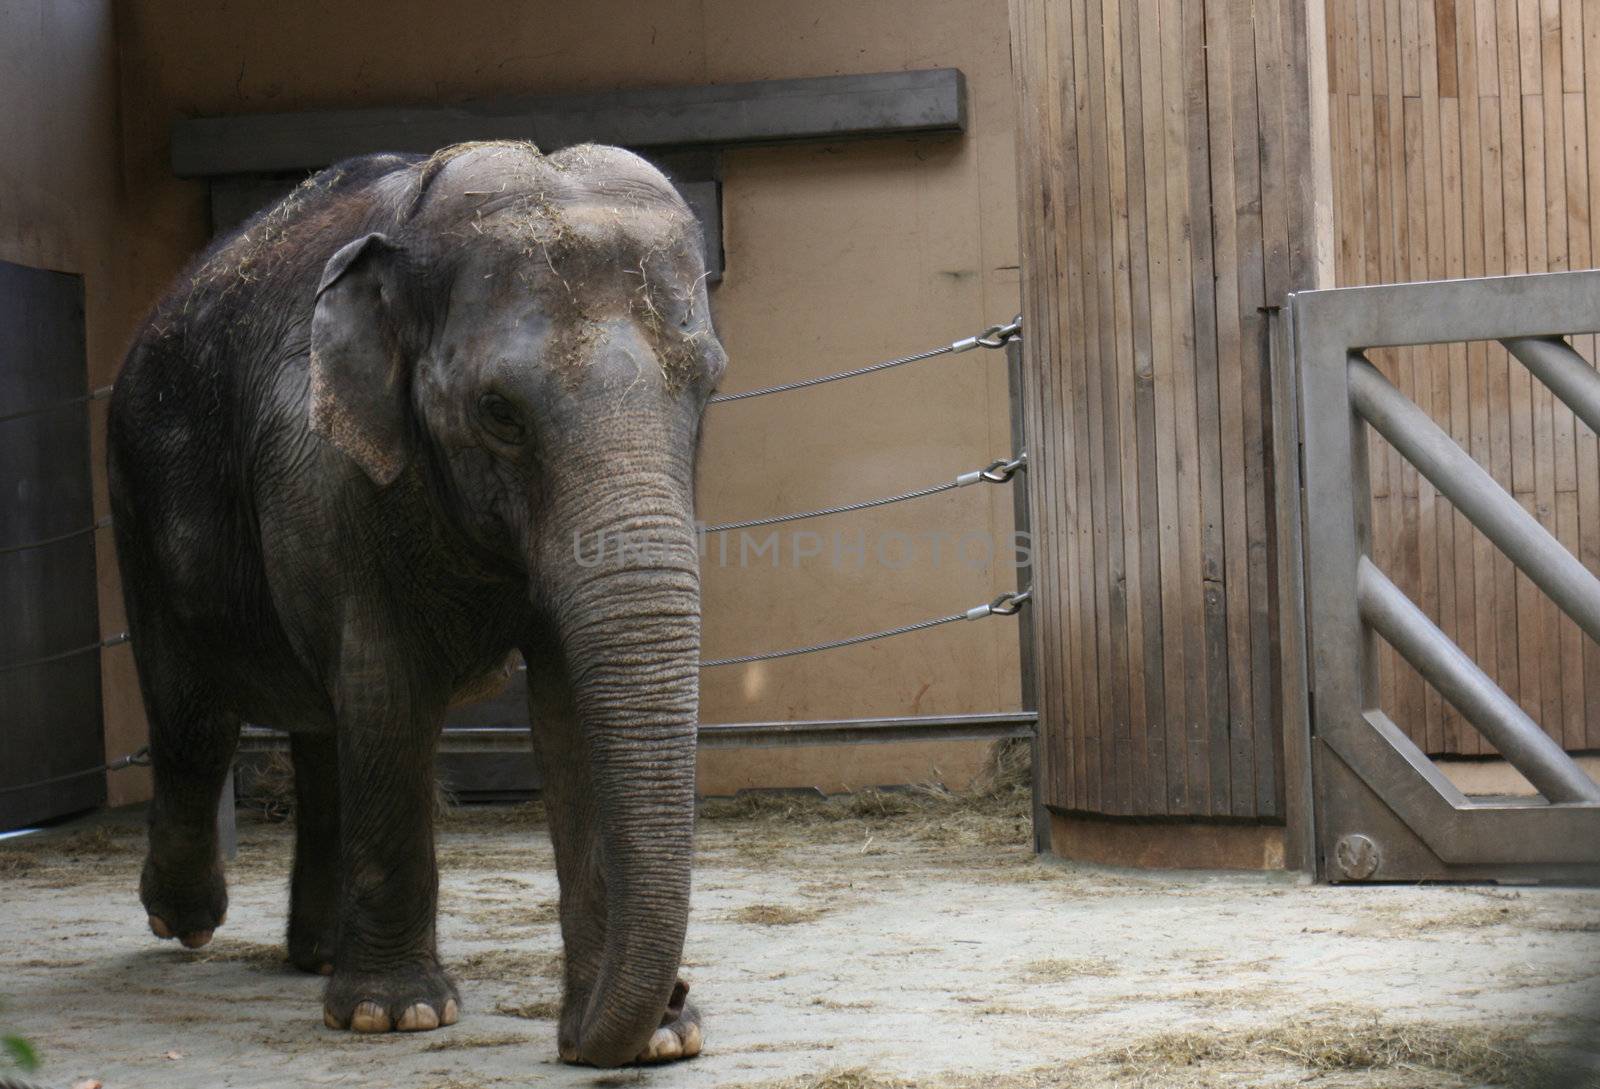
532,333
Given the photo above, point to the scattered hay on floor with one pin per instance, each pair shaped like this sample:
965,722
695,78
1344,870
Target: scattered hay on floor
835,1004
1062,969
1230,997
1419,1053
262,956
467,818
1399,920
546,1010
775,915
513,916
1493,1054
454,1042
16,863
266,787
852,1078
509,965
996,811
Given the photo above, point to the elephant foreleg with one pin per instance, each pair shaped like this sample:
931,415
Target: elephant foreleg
386,972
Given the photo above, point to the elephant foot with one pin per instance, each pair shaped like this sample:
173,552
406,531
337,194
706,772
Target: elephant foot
679,1040
679,1036
409,1000
190,911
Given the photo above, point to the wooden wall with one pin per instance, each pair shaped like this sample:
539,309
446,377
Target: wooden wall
1165,171
1466,142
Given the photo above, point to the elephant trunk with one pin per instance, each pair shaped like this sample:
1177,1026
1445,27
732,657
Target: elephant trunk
630,631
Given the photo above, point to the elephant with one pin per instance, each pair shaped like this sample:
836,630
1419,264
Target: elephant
356,453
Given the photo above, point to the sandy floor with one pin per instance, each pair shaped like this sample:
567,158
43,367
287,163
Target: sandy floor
834,954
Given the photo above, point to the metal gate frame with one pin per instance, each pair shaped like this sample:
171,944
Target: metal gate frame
1372,805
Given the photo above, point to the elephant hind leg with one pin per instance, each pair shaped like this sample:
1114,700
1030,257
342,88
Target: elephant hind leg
314,887
192,741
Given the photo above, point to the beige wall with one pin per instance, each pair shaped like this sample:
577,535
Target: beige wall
837,255
59,195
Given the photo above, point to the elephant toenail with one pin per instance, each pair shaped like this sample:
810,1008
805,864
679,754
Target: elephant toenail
664,1044
196,939
692,1041
370,1017
451,1012
419,1017
330,1020
325,968
159,927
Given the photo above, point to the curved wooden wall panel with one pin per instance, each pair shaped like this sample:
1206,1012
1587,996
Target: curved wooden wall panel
1166,172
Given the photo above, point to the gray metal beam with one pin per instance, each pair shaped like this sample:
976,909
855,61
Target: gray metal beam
820,108
1469,690
1476,494
1450,311
983,726
1553,362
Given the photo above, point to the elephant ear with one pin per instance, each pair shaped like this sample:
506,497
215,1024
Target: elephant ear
359,373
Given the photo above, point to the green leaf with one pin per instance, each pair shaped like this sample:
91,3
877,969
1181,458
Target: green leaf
21,1052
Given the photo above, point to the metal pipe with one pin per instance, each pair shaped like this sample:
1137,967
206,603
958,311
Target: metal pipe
977,726
1476,494
1564,371
1469,690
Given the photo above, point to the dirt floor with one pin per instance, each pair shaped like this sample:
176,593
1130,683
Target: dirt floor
860,944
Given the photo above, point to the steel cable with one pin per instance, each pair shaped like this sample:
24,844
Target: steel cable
998,472
1006,604
101,523
995,336
95,395
139,758
845,509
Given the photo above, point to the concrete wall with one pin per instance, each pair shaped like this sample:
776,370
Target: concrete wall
837,255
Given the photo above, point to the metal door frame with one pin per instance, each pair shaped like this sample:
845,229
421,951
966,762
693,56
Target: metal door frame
1373,806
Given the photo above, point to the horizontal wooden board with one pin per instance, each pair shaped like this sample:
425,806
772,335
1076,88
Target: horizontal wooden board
818,108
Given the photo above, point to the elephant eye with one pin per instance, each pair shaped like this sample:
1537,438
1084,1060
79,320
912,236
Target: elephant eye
502,418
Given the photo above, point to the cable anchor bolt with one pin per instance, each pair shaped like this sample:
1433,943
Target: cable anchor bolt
996,336
1007,604
137,759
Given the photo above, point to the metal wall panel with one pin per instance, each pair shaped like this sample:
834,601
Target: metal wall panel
50,715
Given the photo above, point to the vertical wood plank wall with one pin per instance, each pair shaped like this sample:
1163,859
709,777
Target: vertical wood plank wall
1165,194
1466,142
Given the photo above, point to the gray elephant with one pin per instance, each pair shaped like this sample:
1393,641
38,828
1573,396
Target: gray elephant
361,452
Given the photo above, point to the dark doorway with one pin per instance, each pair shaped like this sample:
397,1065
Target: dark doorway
51,740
